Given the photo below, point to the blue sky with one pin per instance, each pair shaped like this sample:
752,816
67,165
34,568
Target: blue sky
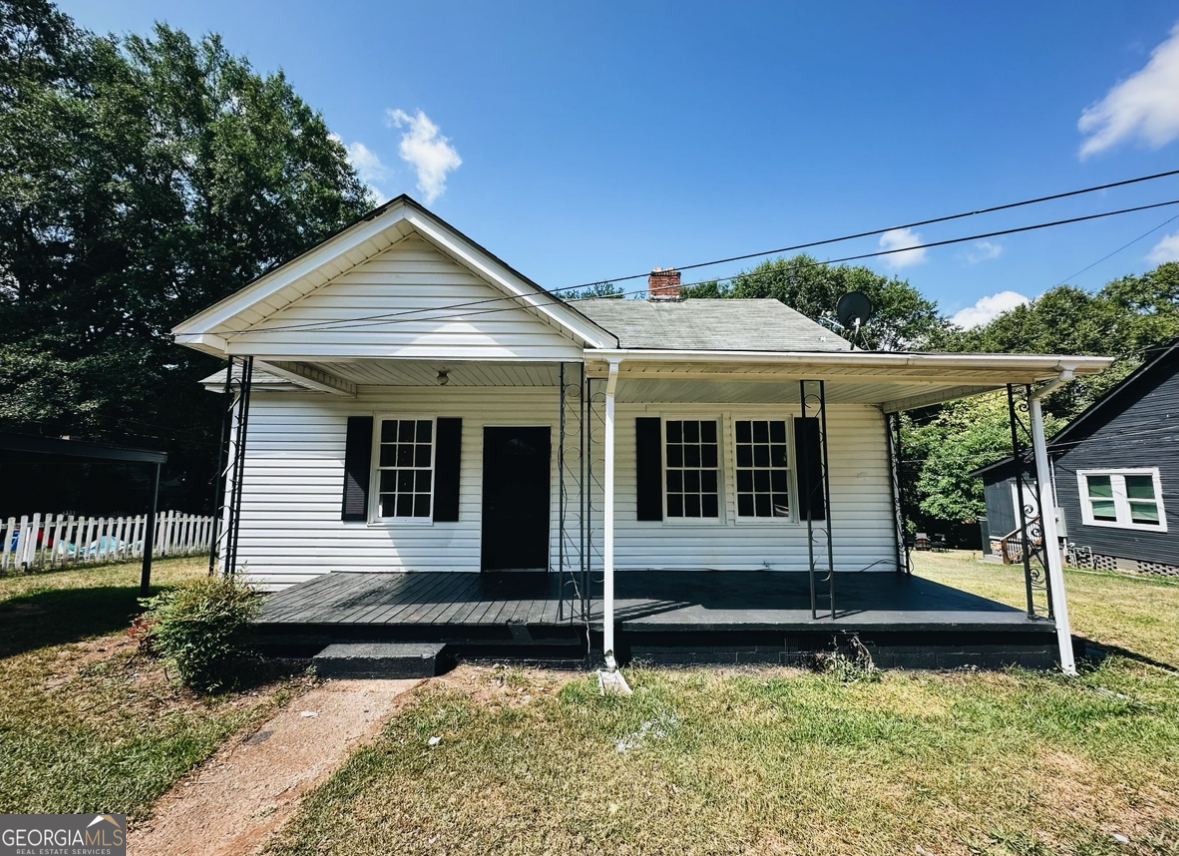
586,141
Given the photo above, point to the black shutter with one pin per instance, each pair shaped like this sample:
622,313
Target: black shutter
446,470
649,467
358,460
808,456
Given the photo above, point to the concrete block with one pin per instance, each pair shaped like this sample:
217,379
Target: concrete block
379,660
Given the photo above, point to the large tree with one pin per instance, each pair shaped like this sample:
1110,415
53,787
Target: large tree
902,318
1127,319
140,180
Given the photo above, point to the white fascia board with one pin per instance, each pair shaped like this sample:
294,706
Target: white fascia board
300,266
206,342
455,246
1040,365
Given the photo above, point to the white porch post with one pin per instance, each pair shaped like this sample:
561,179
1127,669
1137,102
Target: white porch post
608,523
1051,539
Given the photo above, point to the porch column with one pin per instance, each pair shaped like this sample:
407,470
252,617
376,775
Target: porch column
608,523
1051,539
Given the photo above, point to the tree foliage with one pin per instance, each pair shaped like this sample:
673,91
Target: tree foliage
141,179
950,443
1127,319
598,289
902,319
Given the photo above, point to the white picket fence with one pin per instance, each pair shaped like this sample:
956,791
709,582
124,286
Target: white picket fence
36,542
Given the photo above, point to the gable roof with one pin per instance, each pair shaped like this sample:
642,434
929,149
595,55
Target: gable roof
1113,396
761,324
1118,392
381,228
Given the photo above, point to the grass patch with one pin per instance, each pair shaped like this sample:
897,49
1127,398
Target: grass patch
86,722
1138,613
768,761
776,761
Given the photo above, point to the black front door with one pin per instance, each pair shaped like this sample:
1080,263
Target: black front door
517,471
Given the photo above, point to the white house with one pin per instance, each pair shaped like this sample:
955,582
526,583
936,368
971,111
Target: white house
411,403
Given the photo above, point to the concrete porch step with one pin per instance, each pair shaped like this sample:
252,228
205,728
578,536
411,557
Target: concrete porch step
379,660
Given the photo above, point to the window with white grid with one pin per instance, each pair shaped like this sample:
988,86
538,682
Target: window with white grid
763,470
405,464
693,468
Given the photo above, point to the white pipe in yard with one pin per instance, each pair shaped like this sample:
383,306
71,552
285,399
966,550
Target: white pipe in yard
1064,636
608,524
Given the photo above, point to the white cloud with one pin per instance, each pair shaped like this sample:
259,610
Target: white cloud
431,154
988,308
1145,105
896,239
983,251
1166,250
368,167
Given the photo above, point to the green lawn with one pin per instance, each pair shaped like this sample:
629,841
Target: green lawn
1138,613
778,761
86,723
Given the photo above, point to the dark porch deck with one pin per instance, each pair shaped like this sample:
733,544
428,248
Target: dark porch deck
656,600
657,612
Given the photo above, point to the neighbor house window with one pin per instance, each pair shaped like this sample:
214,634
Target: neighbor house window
692,468
405,463
1129,499
763,474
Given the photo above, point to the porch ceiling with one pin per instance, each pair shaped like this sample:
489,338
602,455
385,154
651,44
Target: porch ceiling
891,381
459,372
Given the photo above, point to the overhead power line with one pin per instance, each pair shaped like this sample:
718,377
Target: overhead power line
944,219
1118,250
539,300
794,248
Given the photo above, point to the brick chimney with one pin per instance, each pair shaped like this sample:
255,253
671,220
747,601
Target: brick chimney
663,284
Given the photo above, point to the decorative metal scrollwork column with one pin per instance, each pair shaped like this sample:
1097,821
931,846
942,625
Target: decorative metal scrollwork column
574,604
579,489
231,466
892,437
820,549
1030,531
595,465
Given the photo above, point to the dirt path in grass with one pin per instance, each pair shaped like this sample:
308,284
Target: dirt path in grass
250,787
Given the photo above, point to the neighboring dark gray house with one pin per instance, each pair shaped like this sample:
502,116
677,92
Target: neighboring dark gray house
1116,474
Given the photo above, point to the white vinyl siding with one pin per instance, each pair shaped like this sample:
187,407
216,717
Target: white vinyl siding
291,528
409,298
861,509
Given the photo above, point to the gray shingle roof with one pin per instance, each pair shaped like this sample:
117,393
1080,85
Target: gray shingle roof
713,325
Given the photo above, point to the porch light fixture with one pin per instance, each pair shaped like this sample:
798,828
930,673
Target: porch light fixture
443,377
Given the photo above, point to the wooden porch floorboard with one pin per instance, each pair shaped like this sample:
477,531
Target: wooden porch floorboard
646,601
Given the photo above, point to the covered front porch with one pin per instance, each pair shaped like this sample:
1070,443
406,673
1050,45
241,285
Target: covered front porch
622,583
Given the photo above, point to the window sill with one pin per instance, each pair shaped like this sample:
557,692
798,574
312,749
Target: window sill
397,522
769,521
1134,527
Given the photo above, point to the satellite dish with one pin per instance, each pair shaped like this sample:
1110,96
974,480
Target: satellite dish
853,311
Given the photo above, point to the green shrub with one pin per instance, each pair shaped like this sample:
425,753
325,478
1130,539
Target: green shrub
201,627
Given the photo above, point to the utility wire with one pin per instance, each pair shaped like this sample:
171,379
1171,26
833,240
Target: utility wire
794,248
944,219
1115,252
539,300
